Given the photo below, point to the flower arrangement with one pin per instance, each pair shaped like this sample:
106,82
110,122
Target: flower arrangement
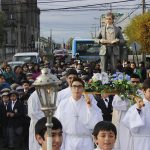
99,83
123,85
118,83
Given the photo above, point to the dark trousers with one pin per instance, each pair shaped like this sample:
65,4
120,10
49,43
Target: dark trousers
109,60
4,135
14,136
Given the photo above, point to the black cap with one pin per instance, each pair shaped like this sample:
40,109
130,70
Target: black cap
5,90
5,94
13,92
25,81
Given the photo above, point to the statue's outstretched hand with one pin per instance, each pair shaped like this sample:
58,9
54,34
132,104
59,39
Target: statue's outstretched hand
97,41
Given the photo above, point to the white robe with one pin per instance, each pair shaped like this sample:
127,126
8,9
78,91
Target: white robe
139,124
120,108
63,94
35,113
78,122
66,93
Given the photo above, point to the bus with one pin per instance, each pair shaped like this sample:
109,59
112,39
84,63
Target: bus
85,49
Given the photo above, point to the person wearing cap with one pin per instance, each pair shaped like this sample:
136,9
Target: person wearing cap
14,86
3,116
15,115
27,91
7,90
20,91
29,76
88,70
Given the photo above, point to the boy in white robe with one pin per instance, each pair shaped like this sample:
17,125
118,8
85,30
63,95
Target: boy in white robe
104,135
120,107
35,113
78,117
138,121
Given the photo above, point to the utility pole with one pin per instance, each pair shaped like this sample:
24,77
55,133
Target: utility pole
143,11
94,27
50,40
95,31
111,7
143,6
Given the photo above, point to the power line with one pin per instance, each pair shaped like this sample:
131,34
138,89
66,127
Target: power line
41,2
93,7
82,6
96,9
128,14
59,1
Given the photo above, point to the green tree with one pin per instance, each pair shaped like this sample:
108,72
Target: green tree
69,43
139,30
2,20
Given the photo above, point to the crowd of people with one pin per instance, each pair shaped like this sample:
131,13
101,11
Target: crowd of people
80,117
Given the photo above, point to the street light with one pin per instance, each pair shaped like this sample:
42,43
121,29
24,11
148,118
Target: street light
46,86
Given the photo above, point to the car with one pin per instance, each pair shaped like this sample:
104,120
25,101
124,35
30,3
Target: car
13,64
27,57
62,53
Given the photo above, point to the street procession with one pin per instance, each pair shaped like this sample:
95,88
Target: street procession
75,75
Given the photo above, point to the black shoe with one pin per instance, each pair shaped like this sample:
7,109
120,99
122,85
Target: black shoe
11,148
5,145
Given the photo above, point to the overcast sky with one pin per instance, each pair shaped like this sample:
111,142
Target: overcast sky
80,23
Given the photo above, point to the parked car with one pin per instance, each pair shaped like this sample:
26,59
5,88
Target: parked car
27,57
32,57
60,53
13,64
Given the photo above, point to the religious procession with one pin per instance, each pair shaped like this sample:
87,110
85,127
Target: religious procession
94,109
97,107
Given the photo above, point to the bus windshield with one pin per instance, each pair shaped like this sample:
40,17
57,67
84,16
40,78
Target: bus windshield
86,49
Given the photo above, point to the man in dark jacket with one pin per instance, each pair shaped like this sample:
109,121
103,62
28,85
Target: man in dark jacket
15,115
3,116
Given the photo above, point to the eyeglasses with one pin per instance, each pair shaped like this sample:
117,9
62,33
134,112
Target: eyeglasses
77,86
135,81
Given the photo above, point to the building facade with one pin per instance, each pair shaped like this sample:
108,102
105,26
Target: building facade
22,25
